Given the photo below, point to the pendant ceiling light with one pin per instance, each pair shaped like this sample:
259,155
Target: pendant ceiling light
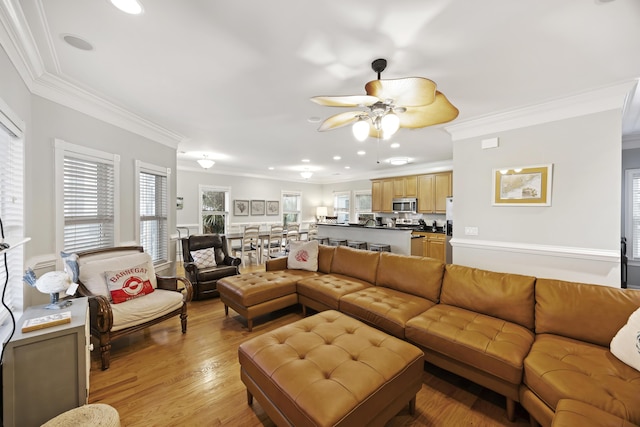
132,7
205,162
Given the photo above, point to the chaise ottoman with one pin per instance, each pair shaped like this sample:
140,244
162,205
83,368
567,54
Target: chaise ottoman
255,294
330,370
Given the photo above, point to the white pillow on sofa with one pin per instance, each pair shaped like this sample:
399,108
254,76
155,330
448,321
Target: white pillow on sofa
626,344
303,255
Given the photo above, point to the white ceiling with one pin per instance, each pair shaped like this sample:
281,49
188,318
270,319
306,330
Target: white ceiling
233,78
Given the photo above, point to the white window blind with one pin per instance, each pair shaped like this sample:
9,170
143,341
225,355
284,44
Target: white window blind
291,202
153,205
341,202
87,197
12,217
363,205
633,214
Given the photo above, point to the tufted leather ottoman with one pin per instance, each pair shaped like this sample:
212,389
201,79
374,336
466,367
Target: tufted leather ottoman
330,370
255,294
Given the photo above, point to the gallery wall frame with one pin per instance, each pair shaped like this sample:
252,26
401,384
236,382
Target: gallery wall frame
523,186
273,207
257,207
241,208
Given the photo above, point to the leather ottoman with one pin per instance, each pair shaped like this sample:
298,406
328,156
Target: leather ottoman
255,294
330,370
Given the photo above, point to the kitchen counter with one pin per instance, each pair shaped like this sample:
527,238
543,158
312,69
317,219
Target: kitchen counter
399,238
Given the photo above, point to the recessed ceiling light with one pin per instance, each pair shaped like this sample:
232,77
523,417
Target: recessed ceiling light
314,119
347,167
336,157
305,160
361,153
394,145
132,7
77,42
271,168
399,161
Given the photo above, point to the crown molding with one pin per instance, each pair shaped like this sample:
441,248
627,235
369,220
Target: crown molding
631,141
18,42
598,100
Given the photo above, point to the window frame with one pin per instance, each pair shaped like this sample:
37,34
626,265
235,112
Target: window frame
227,204
628,226
338,210
297,212
358,212
151,169
61,149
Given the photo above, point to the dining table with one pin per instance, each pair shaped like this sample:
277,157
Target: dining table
263,237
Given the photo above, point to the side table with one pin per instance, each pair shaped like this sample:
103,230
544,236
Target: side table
46,372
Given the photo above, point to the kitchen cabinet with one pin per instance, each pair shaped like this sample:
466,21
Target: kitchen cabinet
381,195
432,245
46,371
433,190
405,186
376,196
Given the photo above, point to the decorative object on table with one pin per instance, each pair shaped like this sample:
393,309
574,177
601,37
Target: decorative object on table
411,102
241,208
273,207
46,321
321,213
257,207
51,283
522,186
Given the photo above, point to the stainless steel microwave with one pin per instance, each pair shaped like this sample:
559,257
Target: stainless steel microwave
405,205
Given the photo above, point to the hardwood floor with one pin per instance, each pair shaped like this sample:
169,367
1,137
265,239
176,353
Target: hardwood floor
161,377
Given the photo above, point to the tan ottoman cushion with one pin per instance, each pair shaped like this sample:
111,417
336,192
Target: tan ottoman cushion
571,413
330,369
254,288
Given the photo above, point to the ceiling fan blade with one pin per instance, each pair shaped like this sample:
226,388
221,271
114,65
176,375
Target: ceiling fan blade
407,92
339,120
440,111
345,101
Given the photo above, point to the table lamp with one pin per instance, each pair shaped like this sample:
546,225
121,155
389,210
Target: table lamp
321,213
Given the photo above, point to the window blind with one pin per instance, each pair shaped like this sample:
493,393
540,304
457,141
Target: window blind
11,214
88,203
154,233
635,213
290,207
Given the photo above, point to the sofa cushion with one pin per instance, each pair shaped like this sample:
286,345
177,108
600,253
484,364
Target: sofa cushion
385,308
140,310
415,275
92,272
325,258
572,413
559,368
303,255
204,258
329,288
626,344
255,288
487,343
595,313
506,296
355,263
128,283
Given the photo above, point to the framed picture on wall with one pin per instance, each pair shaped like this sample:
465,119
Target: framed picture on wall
522,186
257,207
241,207
273,207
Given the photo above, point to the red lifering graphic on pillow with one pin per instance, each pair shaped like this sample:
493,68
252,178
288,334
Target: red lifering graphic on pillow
302,256
133,285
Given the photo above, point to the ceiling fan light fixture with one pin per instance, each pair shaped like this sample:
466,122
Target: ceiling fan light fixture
390,123
360,129
132,7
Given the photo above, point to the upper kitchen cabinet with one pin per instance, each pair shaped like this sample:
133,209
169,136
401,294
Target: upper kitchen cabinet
381,195
405,186
433,190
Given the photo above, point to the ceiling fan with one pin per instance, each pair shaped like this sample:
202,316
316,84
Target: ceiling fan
411,102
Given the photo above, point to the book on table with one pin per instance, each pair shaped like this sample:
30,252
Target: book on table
47,321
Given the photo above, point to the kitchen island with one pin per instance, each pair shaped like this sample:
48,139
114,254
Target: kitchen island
399,238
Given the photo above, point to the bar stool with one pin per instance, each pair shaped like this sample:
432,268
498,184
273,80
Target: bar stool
337,242
321,240
356,244
379,247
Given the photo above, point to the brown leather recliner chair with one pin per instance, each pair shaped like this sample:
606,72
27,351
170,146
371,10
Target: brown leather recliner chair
205,280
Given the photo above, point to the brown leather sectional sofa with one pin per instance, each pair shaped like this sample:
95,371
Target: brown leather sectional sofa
535,341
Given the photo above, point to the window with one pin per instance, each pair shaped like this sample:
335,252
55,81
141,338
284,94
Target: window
291,202
633,214
11,212
87,195
363,206
153,210
341,201
214,209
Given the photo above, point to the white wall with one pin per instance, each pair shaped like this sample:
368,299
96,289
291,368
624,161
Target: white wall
577,237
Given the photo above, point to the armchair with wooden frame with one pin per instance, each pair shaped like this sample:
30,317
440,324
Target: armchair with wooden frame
204,278
109,320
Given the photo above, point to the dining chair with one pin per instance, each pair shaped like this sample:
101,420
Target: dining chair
250,244
273,248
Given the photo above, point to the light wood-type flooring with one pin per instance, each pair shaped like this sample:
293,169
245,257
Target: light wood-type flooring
161,377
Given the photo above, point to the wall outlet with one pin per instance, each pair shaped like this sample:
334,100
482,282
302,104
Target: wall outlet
471,231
